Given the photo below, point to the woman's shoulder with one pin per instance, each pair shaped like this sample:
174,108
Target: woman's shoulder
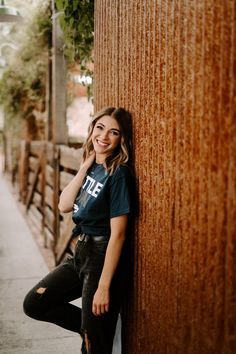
122,171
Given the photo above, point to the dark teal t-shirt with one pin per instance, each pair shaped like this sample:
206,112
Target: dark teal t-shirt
101,197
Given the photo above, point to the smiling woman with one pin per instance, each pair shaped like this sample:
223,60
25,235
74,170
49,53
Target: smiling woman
111,126
105,137
100,198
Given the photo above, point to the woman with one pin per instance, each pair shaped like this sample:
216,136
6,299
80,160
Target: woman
99,196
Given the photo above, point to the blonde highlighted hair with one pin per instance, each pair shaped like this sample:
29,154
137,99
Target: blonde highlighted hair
122,153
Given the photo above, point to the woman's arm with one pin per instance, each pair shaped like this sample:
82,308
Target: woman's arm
113,252
70,192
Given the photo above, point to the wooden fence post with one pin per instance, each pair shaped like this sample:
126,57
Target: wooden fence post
35,180
42,188
23,169
56,166
69,161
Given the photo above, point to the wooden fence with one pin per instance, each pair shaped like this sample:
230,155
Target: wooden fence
44,170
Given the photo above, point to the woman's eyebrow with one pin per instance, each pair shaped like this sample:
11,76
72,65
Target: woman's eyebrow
111,128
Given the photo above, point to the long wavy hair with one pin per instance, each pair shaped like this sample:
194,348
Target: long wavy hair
121,155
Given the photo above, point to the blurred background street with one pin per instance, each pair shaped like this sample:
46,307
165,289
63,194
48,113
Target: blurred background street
21,266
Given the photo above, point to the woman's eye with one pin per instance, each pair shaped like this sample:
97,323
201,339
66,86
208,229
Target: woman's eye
99,127
115,133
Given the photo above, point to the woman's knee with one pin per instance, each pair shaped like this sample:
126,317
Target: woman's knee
32,304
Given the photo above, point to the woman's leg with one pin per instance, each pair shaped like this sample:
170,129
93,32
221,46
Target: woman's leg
49,299
98,330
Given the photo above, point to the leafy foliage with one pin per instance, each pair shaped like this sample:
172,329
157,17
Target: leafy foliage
23,83
77,23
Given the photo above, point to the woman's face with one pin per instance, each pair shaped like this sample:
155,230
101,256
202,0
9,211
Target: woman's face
106,137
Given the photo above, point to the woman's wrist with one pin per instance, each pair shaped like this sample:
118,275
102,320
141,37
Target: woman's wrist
103,285
83,169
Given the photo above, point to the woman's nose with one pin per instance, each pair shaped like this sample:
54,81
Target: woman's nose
104,134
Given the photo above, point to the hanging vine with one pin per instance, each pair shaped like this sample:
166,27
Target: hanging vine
77,24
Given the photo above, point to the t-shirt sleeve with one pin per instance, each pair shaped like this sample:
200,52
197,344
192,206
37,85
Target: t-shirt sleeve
120,203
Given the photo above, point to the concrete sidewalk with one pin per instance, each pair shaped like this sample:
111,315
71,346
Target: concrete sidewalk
21,266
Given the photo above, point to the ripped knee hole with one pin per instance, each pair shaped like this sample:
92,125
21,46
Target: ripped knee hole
41,291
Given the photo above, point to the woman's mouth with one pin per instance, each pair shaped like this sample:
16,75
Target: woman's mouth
101,143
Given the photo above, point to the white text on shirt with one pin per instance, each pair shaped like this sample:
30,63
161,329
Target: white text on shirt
92,186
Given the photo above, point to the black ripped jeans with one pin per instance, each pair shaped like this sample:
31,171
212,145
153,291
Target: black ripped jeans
78,277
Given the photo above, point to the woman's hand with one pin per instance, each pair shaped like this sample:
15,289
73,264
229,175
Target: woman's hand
88,162
101,301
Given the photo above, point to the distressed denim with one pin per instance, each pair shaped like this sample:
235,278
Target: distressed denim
76,277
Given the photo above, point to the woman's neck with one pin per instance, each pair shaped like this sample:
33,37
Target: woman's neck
100,159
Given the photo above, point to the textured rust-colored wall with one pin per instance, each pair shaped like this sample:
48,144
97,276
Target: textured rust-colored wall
172,64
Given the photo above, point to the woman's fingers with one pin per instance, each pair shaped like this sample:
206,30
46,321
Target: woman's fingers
100,303
100,309
89,161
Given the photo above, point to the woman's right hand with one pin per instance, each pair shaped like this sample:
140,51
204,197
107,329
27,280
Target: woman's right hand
88,162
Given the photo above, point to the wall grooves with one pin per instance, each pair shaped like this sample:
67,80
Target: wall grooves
172,64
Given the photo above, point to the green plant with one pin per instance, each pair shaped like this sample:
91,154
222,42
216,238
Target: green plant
23,83
77,24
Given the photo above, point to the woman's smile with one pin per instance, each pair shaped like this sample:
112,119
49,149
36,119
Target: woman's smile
101,143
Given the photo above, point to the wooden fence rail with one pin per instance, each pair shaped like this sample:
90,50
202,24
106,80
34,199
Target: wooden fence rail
44,170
